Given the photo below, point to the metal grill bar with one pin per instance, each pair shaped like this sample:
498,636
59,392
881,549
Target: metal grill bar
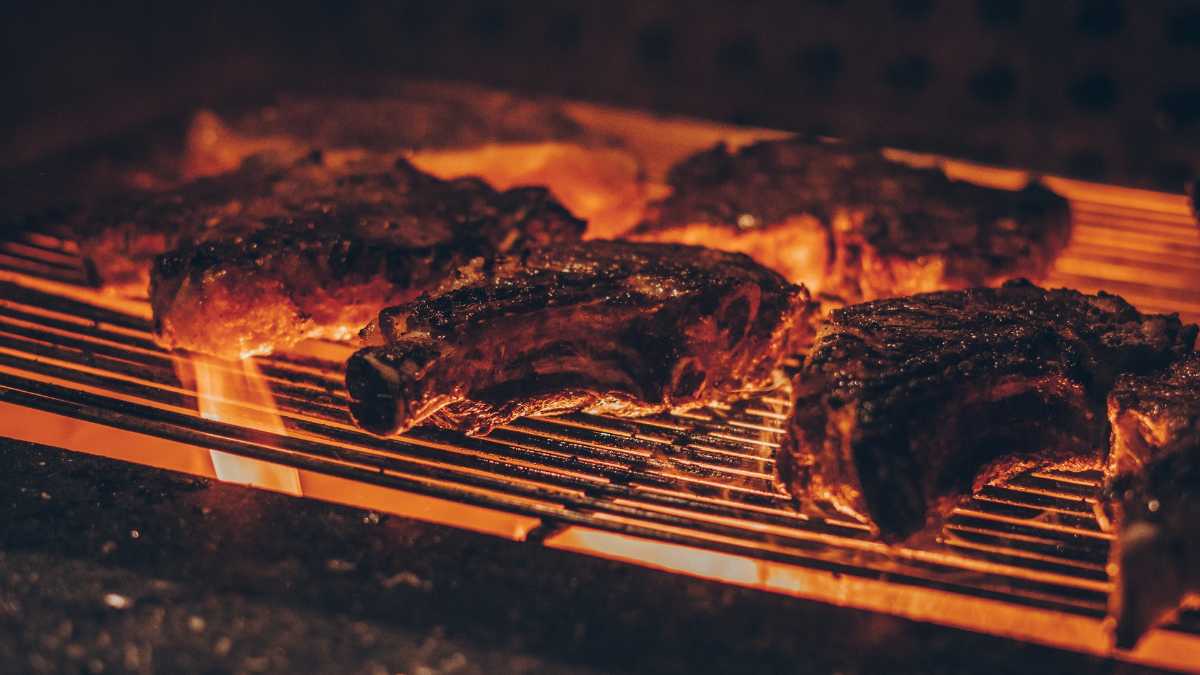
696,486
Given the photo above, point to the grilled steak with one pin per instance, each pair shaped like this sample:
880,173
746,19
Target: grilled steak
1154,490
450,131
847,221
906,405
316,251
1153,416
603,326
506,141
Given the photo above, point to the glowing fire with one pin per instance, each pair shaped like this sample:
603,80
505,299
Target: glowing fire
600,185
236,392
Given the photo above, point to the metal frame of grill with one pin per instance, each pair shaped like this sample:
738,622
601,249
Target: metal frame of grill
689,492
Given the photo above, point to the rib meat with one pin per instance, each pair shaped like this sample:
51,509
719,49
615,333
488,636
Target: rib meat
273,256
847,221
906,405
1154,489
615,327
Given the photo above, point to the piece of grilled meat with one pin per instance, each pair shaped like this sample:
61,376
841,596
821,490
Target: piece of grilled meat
1153,416
119,237
450,132
906,405
316,251
1154,495
846,220
616,327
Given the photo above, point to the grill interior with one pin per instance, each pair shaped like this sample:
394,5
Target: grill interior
687,492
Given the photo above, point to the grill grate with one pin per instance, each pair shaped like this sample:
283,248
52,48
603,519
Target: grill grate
688,492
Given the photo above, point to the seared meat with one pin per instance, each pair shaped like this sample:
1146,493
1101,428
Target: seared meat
1154,490
603,326
449,131
314,251
847,221
1157,549
906,405
1154,416
506,141
120,237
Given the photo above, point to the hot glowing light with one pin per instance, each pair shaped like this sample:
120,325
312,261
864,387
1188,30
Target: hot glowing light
600,185
1115,228
236,392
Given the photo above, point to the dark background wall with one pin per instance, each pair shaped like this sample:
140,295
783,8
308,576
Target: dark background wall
1103,89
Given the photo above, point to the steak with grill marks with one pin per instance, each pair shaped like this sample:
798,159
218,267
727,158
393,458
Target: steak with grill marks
270,256
906,405
1154,495
616,327
848,221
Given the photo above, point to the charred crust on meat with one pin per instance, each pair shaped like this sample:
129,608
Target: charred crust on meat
1153,416
623,328
267,256
122,234
886,228
1153,495
1157,547
904,406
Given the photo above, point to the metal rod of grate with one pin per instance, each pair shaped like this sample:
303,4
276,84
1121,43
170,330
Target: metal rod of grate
699,481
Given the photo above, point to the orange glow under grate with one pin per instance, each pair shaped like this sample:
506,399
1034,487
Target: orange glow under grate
688,493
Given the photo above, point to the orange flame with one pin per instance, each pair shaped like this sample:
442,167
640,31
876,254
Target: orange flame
236,392
600,185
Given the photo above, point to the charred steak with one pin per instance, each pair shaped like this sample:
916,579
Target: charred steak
450,132
603,326
906,405
1153,416
1154,490
316,251
846,220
